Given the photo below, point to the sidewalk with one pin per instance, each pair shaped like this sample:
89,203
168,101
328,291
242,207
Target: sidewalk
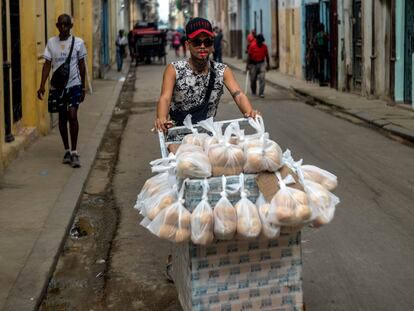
393,119
38,198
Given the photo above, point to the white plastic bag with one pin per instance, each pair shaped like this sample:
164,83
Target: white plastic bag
195,138
226,158
321,176
225,217
248,219
216,132
202,220
262,154
173,222
151,187
322,202
269,230
192,162
154,204
289,206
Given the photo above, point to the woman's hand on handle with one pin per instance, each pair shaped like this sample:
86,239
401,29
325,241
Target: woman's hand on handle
252,114
162,124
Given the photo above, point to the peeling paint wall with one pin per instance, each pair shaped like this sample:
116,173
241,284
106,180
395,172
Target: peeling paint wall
376,50
290,38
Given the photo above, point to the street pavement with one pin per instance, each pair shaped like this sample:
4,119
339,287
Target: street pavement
361,261
397,120
39,195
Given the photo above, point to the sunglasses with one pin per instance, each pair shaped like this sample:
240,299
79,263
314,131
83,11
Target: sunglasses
63,24
198,42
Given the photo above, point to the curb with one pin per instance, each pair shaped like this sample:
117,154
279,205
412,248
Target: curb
27,291
383,126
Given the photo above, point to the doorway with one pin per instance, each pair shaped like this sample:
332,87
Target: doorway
105,32
357,45
333,38
16,61
409,50
311,26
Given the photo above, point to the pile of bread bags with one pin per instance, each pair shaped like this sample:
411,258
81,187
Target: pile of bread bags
302,196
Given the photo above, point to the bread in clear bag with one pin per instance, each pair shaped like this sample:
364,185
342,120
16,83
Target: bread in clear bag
225,218
321,176
202,220
248,219
225,157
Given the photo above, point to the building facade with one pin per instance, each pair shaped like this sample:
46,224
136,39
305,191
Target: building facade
26,27
370,42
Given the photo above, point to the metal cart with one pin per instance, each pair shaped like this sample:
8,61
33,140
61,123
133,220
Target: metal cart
240,274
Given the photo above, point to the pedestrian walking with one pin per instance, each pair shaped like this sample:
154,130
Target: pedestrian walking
218,41
321,42
194,86
131,44
183,39
251,37
65,55
121,43
176,42
257,54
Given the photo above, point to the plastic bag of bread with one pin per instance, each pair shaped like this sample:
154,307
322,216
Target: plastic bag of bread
261,154
202,220
215,129
321,176
195,138
322,202
151,186
269,230
289,206
192,162
225,217
173,223
154,204
248,219
226,158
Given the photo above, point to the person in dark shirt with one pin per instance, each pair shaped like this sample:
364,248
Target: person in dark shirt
321,42
218,40
257,54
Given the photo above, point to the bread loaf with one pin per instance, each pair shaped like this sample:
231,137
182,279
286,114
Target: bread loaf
226,159
167,232
262,155
225,220
193,165
248,220
182,235
328,180
195,139
268,230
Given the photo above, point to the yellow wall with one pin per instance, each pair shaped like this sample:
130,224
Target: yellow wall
31,45
1,105
290,42
32,17
35,28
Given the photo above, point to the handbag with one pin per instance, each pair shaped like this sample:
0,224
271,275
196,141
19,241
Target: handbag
61,75
60,79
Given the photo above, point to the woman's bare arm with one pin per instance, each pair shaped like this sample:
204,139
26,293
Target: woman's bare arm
239,97
164,101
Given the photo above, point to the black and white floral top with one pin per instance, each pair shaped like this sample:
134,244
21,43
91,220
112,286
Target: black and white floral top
190,89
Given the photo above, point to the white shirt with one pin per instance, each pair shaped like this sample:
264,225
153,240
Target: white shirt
57,51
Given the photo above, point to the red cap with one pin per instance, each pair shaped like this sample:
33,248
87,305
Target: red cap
198,25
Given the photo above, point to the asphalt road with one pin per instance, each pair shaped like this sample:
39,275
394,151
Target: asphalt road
361,261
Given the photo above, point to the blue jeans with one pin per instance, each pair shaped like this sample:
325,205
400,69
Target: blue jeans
119,59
